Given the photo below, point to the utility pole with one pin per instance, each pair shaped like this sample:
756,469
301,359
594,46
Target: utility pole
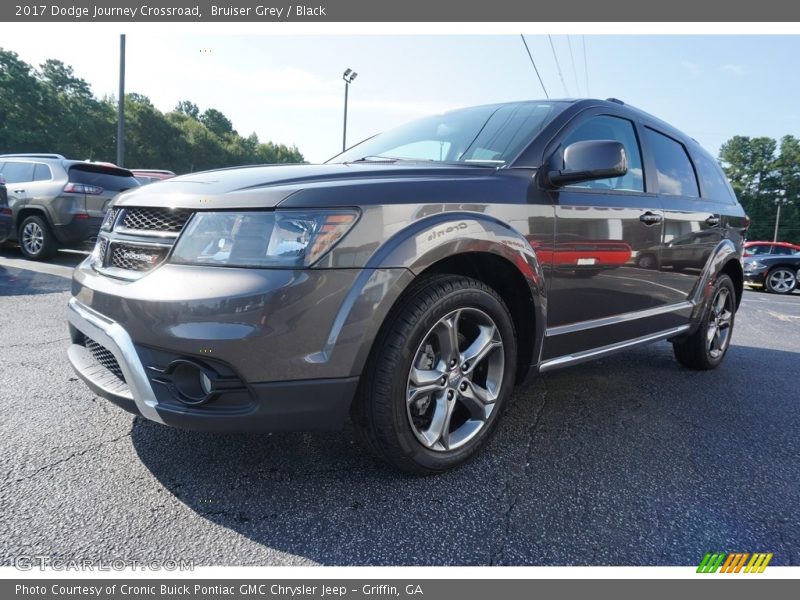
121,104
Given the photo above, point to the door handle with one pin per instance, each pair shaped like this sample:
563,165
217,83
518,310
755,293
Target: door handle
19,191
649,218
712,221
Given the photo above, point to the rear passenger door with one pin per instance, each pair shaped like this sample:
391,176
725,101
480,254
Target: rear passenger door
691,223
18,176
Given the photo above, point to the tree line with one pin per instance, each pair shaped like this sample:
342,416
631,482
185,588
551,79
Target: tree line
50,109
760,169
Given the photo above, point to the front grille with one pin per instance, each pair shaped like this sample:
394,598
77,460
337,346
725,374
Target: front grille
136,258
156,220
103,357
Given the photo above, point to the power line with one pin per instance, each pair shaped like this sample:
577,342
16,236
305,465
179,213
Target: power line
574,71
533,62
585,64
558,65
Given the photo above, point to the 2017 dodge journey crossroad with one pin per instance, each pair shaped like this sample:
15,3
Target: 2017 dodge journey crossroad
410,282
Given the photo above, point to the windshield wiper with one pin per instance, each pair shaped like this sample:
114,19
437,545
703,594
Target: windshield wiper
378,158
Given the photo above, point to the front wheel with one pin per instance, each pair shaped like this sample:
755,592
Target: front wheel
439,376
706,347
780,280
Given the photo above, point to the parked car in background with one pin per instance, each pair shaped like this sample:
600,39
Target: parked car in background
5,211
400,282
58,203
769,248
145,176
776,273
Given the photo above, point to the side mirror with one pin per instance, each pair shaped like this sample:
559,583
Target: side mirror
587,161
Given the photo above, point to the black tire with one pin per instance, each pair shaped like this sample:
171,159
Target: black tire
381,413
647,261
36,240
694,351
785,275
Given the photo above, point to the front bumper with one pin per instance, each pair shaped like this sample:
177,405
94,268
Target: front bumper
287,346
278,406
755,277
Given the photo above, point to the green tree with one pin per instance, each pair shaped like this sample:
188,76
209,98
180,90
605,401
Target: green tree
758,169
53,110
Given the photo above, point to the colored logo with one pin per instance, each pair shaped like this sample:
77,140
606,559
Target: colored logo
734,562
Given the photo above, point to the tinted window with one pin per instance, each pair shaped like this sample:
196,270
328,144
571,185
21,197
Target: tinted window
782,250
18,172
713,183
108,178
41,172
675,173
758,250
616,130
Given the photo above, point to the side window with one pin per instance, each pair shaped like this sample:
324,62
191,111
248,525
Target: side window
18,172
615,129
675,173
781,250
41,172
713,183
758,250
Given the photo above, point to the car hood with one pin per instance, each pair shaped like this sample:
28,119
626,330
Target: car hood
267,186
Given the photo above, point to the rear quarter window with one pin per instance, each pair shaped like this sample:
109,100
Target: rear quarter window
714,185
115,180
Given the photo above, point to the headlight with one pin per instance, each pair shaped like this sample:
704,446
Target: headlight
752,265
109,218
281,238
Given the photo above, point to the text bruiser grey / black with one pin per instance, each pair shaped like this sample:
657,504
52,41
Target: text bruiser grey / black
413,280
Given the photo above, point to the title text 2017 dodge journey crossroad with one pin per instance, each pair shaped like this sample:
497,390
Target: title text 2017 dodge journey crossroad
413,280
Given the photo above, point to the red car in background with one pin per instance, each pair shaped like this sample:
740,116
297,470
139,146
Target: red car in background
769,248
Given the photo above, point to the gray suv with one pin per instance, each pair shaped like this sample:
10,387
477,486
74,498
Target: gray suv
57,203
412,281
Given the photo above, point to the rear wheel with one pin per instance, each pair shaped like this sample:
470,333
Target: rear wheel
439,377
706,347
35,239
780,280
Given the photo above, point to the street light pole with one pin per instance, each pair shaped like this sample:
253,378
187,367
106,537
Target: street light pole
779,201
348,76
121,104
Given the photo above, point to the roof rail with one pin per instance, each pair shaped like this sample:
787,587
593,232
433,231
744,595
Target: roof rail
615,101
32,155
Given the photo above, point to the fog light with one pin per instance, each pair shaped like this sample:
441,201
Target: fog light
191,382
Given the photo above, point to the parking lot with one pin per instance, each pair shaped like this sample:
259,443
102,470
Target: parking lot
627,460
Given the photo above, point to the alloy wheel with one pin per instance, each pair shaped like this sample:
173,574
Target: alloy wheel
32,238
455,380
718,332
781,281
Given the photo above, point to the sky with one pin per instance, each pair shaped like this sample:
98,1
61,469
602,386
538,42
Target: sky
289,88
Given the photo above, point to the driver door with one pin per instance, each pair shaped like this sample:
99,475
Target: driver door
608,236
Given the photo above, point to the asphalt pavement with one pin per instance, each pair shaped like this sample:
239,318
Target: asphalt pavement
630,460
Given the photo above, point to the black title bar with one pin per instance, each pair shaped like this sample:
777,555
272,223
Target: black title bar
402,11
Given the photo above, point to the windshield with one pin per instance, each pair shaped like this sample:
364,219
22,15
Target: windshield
489,135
